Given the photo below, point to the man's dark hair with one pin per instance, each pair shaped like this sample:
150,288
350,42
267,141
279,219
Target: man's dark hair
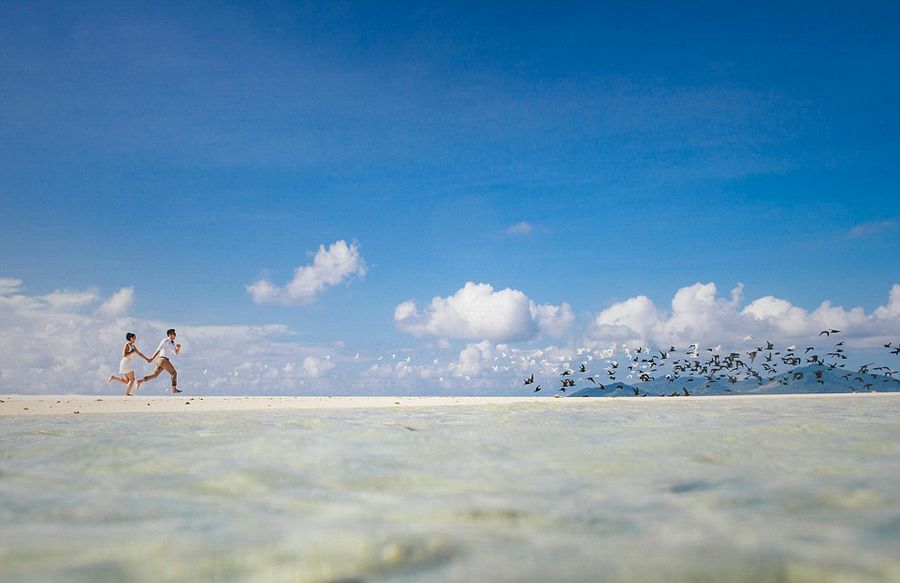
170,331
129,336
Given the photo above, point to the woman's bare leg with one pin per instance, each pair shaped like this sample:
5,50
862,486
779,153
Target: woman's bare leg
130,384
113,377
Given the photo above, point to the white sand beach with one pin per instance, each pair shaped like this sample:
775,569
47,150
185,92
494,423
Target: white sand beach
87,404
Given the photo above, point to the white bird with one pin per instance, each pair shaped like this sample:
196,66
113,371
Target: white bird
356,355
435,361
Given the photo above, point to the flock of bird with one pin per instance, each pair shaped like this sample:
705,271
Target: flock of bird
646,365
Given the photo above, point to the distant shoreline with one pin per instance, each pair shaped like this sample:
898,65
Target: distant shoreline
94,404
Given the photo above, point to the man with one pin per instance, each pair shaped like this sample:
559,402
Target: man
166,351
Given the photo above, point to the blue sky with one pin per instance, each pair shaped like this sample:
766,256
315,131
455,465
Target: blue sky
188,151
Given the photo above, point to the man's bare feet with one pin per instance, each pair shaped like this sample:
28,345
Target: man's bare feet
175,390
137,384
109,379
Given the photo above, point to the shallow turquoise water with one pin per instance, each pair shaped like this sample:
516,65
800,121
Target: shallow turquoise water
752,489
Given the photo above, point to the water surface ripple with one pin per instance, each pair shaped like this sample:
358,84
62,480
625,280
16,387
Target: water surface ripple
614,490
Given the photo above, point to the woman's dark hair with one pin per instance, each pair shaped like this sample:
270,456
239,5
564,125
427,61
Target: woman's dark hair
170,331
129,336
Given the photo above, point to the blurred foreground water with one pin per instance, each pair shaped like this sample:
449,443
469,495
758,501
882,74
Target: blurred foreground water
747,489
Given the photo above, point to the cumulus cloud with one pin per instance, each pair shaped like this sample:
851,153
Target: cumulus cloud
697,314
316,367
330,267
553,320
520,228
475,357
117,304
866,229
478,312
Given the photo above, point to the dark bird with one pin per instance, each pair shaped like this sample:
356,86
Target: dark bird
583,368
530,379
537,388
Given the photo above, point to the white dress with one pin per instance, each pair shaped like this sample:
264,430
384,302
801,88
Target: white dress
125,365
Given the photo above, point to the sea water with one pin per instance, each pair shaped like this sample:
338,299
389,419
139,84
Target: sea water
793,489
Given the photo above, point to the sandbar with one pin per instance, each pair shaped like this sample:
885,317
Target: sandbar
93,404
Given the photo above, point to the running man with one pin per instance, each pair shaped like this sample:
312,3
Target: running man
166,351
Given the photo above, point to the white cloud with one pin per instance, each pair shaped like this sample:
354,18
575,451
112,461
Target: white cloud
9,285
553,320
520,228
69,300
475,357
316,367
329,268
478,312
866,229
117,304
892,309
64,300
698,315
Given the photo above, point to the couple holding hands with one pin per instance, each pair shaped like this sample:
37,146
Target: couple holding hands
165,353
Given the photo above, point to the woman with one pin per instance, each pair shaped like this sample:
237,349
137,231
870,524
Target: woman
126,367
